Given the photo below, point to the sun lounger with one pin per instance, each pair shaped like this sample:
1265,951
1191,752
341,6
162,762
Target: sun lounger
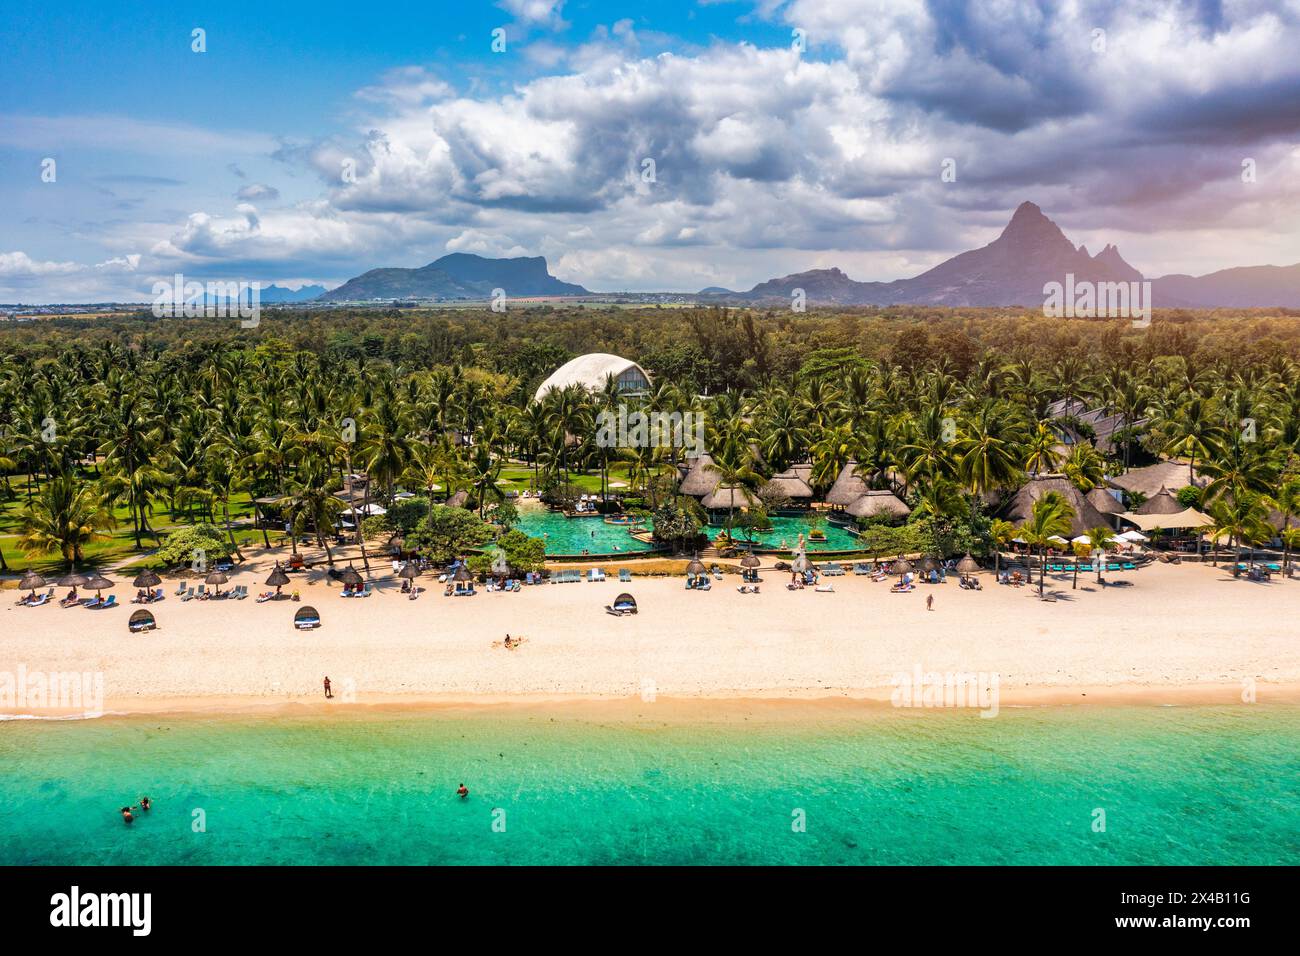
1130,566
825,588
624,575
180,589
861,568
189,595
833,569
111,602
93,603
40,599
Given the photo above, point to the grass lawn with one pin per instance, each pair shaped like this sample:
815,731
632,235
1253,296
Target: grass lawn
119,546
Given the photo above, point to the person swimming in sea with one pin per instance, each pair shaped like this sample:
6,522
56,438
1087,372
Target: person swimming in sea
462,791
126,815
145,804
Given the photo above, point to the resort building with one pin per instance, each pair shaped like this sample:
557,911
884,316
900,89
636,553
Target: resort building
591,371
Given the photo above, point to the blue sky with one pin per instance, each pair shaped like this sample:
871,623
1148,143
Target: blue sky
229,163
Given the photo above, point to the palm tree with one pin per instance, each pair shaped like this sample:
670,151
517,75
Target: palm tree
1286,500
1194,432
1242,520
1001,533
483,473
1050,517
1099,539
64,516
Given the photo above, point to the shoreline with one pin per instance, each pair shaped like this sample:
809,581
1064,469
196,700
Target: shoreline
857,701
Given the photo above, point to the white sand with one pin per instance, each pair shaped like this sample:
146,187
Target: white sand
1167,629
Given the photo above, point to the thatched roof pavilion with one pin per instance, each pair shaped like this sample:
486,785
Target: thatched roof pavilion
1163,474
723,499
878,503
1086,516
1104,501
700,479
848,487
791,483
1161,503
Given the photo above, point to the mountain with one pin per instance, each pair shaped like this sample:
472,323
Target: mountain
1010,270
457,276
1248,287
715,290
276,293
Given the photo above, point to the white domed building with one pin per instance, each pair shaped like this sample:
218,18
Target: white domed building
591,370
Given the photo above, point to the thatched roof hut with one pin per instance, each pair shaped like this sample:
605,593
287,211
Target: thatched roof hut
724,499
1163,474
1086,516
1161,503
700,478
789,484
878,503
1104,501
848,487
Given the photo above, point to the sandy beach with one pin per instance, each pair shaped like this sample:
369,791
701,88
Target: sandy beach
1165,633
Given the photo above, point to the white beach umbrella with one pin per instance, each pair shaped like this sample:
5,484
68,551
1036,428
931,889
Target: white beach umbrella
1132,537
1057,537
1081,539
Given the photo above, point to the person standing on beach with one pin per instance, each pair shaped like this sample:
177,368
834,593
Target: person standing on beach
328,693
929,602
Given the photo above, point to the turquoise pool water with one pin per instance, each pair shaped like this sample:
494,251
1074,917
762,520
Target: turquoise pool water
1177,786
574,535
788,529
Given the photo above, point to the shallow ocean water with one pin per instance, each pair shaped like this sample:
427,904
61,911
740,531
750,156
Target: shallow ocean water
1178,785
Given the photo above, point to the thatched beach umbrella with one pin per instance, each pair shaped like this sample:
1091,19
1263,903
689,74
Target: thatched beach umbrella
967,565
350,576
277,578
463,574
409,571
146,579
216,578
72,580
30,582
750,561
902,566
928,564
97,583
696,566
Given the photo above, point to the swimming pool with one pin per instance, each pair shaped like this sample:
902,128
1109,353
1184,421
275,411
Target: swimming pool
785,534
598,537
575,535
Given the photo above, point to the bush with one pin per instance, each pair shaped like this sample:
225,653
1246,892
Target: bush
201,540
445,533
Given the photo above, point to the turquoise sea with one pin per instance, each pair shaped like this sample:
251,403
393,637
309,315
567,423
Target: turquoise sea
716,784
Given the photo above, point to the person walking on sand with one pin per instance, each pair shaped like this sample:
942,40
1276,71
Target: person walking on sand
929,602
328,693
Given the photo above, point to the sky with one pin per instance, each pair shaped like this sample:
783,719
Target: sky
663,146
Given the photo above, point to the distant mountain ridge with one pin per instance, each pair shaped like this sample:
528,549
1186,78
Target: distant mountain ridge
1012,270
456,276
